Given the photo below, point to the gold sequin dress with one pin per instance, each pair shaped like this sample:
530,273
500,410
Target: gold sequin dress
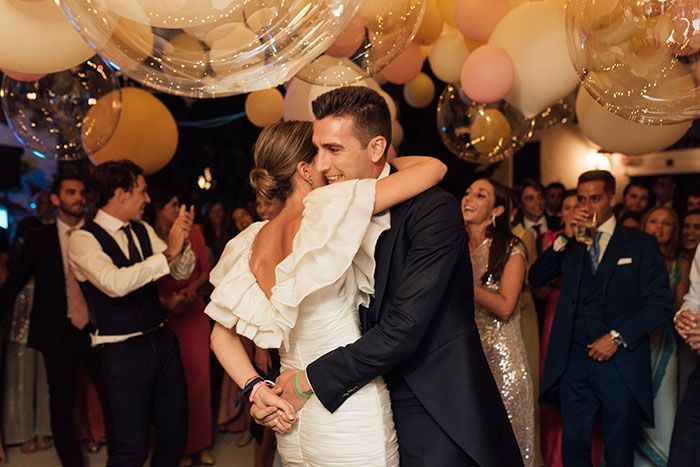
505,351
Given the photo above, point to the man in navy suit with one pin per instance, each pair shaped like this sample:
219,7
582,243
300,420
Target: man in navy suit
56,326
615,293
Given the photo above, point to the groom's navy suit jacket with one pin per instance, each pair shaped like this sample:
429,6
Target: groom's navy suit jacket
421,327
632,296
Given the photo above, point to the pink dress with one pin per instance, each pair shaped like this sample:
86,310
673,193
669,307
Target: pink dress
192,330
550,420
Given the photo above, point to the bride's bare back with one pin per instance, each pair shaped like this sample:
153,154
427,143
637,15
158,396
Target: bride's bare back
272,245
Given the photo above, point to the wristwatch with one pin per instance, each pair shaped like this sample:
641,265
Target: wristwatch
617,338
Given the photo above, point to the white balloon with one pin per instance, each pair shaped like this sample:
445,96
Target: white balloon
617,134
447,55
35,37
534,35
300,94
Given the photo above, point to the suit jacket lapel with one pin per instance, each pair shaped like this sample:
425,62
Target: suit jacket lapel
56,251
612,253
579,261
383,255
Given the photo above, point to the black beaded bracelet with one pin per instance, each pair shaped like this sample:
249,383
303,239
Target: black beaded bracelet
245,392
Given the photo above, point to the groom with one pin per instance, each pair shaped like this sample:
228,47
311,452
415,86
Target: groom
419,332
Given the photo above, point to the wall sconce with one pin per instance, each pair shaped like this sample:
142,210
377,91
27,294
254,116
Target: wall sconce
597,160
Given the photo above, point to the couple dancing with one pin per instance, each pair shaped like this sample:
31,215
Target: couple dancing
297,281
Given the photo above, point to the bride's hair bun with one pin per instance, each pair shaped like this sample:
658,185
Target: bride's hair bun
278,150
263,182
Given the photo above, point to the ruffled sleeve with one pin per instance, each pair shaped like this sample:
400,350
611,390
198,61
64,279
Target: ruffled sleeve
237,299
337,238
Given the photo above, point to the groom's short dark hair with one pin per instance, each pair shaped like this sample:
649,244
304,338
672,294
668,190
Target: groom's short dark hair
365,106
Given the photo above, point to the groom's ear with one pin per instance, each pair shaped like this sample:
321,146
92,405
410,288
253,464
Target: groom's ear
377,148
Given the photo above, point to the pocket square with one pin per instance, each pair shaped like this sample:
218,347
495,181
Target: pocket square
622,261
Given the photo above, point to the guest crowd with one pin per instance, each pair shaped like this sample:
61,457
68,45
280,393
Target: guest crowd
591,339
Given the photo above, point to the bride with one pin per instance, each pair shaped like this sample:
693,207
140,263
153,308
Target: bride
295,282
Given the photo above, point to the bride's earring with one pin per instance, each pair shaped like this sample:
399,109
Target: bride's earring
311,182
493,220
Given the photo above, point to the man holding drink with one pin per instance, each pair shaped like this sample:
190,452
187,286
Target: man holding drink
615,293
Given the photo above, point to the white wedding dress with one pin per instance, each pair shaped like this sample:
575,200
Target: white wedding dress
313,310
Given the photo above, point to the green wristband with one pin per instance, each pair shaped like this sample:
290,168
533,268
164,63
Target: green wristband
301,393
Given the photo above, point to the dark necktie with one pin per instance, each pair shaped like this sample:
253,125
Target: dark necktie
594,251
538,238
134,255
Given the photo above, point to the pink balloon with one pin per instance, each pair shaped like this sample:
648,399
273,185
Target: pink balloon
21,76
350,39
487,74
476,19
406,66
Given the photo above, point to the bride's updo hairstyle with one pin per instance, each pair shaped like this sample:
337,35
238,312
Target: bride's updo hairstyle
278,150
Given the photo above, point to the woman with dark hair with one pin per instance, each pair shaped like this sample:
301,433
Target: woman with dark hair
189,323
499,262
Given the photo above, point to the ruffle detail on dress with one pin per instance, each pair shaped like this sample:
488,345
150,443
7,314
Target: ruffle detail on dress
238,300
337,238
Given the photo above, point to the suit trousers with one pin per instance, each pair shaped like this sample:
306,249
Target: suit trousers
422,442
143,376
62,375
590,389
685,441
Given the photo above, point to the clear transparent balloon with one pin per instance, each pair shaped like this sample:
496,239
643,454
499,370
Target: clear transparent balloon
638,58
210,48
480,133
54,116
561,112
377,34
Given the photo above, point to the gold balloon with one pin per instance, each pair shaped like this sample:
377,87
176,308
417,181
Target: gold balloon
264,107
145,134
490,131
419,92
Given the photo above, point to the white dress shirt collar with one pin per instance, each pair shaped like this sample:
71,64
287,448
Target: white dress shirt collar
108,222
608,227
64,228
385,171
542,222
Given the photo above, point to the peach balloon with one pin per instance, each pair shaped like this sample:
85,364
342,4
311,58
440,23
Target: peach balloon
487,74
146,133
19,76
350,39
431,25
406,66
264,107
476,19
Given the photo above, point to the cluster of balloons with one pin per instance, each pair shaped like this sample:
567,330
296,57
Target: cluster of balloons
199,48
378,38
